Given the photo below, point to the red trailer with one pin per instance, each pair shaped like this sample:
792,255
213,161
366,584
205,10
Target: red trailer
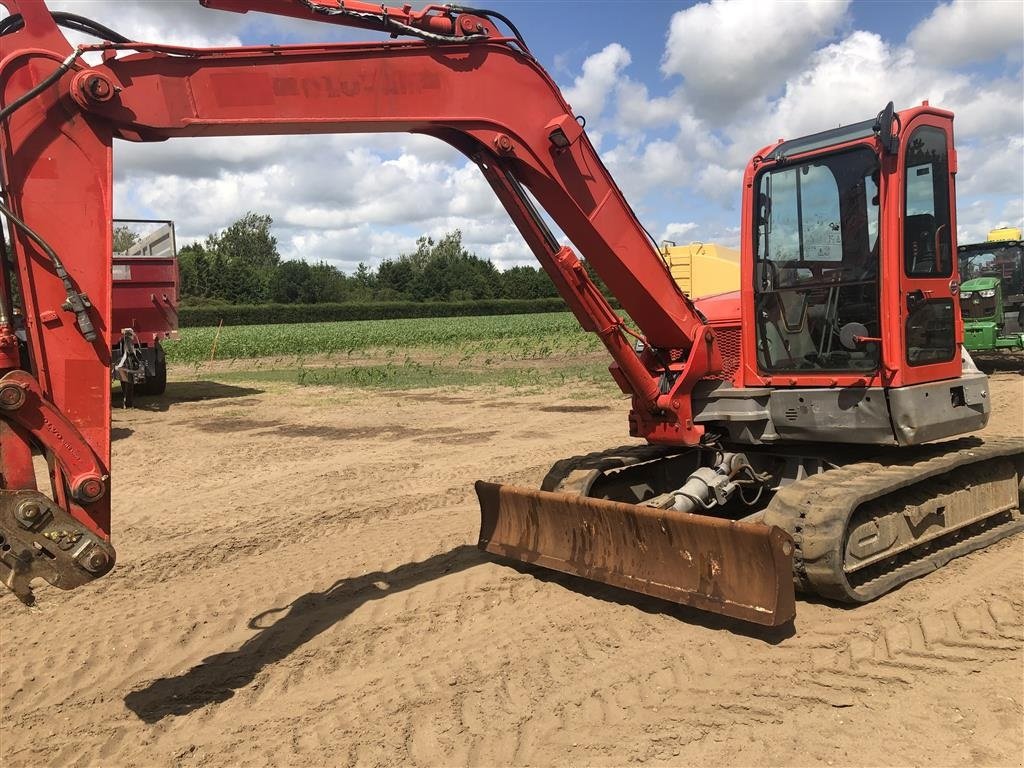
144,308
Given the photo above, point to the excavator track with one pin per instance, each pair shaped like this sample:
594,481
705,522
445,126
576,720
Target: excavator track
865,528
861,529
579,474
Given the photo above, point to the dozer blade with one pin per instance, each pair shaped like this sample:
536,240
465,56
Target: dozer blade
743,570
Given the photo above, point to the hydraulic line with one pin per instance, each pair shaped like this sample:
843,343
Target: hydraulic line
67,20
493,14
390,25
42,85
76,301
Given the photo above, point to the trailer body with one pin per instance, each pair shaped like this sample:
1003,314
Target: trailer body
144,310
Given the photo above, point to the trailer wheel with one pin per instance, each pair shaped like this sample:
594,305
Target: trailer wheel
157,384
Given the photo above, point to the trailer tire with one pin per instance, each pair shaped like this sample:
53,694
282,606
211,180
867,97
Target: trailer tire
157,384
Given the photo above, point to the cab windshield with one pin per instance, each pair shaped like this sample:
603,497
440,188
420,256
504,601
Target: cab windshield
993,260
816,268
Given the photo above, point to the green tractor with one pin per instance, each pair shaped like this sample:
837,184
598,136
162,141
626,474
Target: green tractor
981,303
992,288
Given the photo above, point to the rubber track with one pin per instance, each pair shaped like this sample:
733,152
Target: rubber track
574,474
816,512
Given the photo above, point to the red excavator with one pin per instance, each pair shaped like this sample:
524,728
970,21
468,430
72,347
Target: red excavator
793,430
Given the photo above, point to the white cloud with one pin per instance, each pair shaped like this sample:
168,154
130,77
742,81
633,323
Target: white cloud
601,72
990,109
839,83
963,32
732,52
737,75
162,21
679,231
976,219
330,200
994,167
638,111
640,168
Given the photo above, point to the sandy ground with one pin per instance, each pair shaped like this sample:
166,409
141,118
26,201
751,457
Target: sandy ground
296,586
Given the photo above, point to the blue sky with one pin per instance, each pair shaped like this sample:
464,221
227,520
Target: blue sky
677,97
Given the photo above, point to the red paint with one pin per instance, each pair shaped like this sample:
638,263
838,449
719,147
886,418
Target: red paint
148,301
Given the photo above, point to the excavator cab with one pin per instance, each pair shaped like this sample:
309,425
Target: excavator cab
851,245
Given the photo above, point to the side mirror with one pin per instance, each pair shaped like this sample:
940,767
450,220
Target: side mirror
883,129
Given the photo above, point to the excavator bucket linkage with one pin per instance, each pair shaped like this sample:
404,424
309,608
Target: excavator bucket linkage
743,570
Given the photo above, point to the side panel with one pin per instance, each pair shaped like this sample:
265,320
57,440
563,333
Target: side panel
145,297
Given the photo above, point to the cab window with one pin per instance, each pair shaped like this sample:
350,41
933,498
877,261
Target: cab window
816,269
927,250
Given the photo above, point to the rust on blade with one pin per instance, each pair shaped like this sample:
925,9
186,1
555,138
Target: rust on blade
743,570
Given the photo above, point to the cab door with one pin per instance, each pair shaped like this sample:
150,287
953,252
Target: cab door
929,309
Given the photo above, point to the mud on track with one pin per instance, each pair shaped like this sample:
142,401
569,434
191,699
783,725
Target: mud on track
296,586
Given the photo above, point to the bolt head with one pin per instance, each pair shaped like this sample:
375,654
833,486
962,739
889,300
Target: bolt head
90,489
11,396
97,88
98,559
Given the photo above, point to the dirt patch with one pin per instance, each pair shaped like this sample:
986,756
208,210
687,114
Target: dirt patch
458,438
436,397
221,426
328,432
318,600
573,408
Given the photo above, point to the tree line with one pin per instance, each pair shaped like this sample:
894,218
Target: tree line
242,265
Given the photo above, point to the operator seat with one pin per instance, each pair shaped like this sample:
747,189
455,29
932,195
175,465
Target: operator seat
787,325
919,236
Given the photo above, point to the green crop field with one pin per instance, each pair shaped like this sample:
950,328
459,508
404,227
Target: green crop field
524,352
508,336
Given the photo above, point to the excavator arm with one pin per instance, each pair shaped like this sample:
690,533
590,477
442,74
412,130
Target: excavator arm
463,81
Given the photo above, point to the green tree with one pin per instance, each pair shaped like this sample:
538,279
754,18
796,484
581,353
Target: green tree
292,283
248,242
243,259
190,283
124,238
328,282
396,277
526,283
444,270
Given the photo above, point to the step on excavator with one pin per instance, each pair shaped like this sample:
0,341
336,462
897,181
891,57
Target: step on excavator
797,434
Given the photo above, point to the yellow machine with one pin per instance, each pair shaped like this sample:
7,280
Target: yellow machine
1004,233
702,269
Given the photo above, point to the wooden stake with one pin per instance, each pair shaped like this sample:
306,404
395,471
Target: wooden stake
216,336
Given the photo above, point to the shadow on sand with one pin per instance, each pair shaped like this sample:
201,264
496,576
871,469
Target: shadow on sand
188,392
282,630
